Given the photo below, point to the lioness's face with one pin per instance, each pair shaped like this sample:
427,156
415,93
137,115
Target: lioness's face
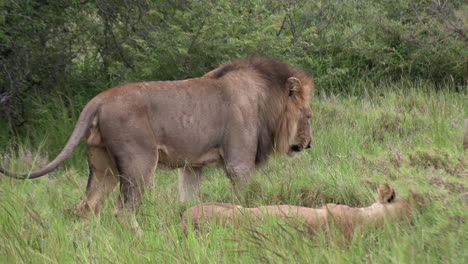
302,138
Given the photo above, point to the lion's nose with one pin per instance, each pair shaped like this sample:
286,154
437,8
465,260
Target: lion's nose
295,148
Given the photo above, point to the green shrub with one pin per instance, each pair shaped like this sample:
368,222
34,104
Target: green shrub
81,48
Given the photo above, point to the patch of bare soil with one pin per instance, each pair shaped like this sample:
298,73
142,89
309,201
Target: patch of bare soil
465,135
387,166
455,188
312,198
439,160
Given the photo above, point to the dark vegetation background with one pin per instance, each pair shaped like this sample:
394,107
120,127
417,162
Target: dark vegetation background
391,106
55,55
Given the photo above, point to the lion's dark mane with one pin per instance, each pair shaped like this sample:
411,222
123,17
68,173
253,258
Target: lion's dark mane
275,74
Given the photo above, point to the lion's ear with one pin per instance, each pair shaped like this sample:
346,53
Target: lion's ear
386,193
294,86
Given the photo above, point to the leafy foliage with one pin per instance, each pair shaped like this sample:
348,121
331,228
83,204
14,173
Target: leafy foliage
80,47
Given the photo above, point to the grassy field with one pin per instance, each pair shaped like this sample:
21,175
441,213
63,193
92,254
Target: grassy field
410,137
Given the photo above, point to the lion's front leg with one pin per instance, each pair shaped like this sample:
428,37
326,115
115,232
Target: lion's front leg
239,174
239,157
189,183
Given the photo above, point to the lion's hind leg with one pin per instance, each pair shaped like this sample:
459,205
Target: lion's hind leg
136,171
103,178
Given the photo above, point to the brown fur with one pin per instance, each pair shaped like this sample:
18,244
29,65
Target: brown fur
235,117
276,133
347,219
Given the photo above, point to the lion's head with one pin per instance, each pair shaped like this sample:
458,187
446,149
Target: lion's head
294,133
285,112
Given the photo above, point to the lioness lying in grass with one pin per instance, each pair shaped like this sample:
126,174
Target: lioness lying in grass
389,207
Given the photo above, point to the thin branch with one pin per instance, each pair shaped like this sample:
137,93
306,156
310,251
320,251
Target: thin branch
342,42
282,26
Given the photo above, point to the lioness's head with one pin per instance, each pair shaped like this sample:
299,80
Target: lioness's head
295,133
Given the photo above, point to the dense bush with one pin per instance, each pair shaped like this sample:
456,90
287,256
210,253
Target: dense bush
78,48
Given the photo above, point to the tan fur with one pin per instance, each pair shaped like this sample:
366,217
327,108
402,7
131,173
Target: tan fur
102,181
235,117
390,207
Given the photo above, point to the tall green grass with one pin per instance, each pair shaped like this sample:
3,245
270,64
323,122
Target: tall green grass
405,134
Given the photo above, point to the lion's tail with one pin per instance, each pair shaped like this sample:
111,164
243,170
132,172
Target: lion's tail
82,125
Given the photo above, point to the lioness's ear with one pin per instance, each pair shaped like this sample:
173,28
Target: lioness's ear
386,193
294,86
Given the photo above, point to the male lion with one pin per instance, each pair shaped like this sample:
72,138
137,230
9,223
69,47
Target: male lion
389,206
234,116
